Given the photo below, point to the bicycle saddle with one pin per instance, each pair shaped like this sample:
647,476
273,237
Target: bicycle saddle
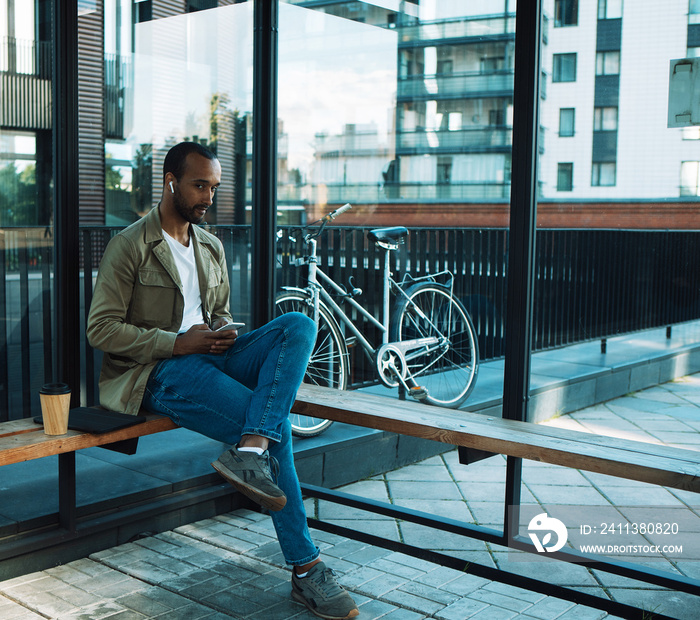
388,235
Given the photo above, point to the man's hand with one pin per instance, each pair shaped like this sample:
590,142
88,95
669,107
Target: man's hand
201,339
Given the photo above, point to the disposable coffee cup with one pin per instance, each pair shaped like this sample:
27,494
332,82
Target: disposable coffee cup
55,405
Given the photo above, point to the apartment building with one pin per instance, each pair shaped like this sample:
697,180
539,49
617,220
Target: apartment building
443,150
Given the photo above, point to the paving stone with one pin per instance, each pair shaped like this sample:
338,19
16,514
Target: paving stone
228,602
193,611
499,600
515,592
75,596
105,609
440,576
372,608
381,585
143,604
494,613
549,608
461,609
412,602
579,612
394,568
403,614
9,610
432,594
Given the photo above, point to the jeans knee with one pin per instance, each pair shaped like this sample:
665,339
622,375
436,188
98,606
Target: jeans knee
300,326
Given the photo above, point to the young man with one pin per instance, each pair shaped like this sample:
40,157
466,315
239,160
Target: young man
161,293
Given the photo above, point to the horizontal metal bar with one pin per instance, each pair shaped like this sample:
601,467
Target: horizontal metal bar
488,572
624,569
406,514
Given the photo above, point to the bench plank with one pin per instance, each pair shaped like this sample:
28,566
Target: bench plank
623,458
22,440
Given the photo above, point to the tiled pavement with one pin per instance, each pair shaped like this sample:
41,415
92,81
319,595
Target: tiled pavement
231,567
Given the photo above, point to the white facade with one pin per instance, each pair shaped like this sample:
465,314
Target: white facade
649,155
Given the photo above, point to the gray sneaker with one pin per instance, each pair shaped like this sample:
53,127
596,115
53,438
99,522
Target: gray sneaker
322,594
250,474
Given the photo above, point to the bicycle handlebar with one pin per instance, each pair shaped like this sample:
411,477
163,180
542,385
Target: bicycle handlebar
339,211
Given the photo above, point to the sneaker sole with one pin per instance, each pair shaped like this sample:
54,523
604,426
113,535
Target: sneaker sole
275,504
298,597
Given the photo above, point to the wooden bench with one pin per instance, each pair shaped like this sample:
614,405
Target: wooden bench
23,440
623,458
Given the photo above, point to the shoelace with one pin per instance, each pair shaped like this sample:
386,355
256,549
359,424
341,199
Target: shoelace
272,465
328,587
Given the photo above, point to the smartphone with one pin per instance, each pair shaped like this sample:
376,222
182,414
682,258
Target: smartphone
230,326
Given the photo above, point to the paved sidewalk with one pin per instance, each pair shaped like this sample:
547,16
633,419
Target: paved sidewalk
231,566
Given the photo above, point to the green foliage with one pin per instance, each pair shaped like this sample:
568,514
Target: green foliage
18,196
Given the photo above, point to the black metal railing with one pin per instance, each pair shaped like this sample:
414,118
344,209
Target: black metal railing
590,285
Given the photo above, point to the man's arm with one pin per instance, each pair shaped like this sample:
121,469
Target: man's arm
107,327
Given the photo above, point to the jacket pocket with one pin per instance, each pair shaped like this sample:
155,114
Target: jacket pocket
154,299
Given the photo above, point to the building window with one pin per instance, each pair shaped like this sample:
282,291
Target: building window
603,174
607,63
566,122
565,177
444,170
609,9
694,12
689,178
605,119
565,13
564,69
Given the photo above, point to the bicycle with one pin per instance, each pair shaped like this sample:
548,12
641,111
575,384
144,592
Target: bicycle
429,346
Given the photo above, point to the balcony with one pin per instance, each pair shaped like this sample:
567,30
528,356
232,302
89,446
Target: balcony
488,27
456,85
460,141
25,84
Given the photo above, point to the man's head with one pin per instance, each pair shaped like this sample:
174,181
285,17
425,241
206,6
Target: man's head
191,175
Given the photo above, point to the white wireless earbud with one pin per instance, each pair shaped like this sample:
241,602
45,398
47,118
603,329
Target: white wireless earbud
172,190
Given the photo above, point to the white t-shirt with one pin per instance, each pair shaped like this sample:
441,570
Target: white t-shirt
187,268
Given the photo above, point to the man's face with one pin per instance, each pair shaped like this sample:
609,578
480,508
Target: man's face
194,192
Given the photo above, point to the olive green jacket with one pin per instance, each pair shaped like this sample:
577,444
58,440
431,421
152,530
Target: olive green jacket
137,305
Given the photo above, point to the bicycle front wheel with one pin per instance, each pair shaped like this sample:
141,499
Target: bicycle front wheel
447,371
328,365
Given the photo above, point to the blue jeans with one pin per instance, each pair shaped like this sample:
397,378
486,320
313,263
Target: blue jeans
249,389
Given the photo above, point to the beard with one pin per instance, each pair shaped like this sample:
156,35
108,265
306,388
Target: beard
187,212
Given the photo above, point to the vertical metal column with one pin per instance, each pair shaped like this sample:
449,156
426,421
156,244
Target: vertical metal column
265,45
523,216
66,221
66,178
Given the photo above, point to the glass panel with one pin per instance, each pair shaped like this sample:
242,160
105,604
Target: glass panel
616,278
407,115
183,77
26,233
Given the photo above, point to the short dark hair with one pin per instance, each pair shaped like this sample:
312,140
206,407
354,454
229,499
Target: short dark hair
175,159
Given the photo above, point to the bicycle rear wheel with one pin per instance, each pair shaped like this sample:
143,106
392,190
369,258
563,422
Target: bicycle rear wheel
328,365
449,372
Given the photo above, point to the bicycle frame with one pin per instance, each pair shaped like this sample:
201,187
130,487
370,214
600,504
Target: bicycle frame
315,284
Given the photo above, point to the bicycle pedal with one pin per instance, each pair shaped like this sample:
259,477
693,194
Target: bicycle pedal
419,393
351,341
